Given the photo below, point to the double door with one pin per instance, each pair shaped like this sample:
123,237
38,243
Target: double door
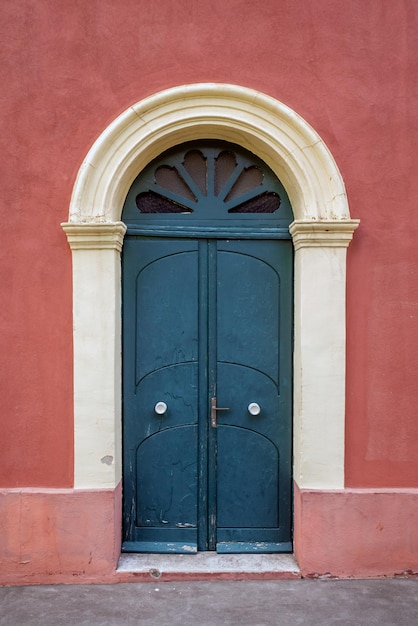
207,327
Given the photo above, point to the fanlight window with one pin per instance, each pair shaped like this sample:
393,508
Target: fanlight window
206,181
177,189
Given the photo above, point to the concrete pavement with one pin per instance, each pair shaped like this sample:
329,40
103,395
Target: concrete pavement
383,602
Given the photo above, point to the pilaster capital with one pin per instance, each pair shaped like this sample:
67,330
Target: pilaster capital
322,234
95,236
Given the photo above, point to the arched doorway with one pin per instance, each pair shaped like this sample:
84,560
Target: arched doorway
321,232
207,275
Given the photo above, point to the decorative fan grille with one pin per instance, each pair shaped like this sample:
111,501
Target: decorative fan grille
206,180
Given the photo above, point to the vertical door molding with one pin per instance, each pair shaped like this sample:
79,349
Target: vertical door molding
321,233
319,352
97,354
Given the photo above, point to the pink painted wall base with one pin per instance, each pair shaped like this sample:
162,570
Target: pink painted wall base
70,536
59,535
356,532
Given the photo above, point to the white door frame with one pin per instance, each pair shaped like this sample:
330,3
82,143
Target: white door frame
321,232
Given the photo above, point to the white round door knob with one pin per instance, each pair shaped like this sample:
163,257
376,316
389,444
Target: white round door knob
254,408
160,408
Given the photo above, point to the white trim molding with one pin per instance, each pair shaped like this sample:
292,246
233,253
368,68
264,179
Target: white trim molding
321,232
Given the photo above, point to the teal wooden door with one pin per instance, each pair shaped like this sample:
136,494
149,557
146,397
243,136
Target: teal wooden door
207,352
207,323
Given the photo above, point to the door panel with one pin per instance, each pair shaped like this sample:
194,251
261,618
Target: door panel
176,385
166,290
167,460
160,337
247,495
202,319
254,300
248,306
238,387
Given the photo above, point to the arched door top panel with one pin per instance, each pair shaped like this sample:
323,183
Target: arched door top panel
205,187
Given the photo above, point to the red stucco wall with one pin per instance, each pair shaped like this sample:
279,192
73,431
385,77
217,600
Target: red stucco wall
69,68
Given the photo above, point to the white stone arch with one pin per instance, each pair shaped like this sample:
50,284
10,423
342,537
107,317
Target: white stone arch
321,233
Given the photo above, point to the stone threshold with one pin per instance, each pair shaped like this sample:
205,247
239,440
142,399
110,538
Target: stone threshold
206,565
